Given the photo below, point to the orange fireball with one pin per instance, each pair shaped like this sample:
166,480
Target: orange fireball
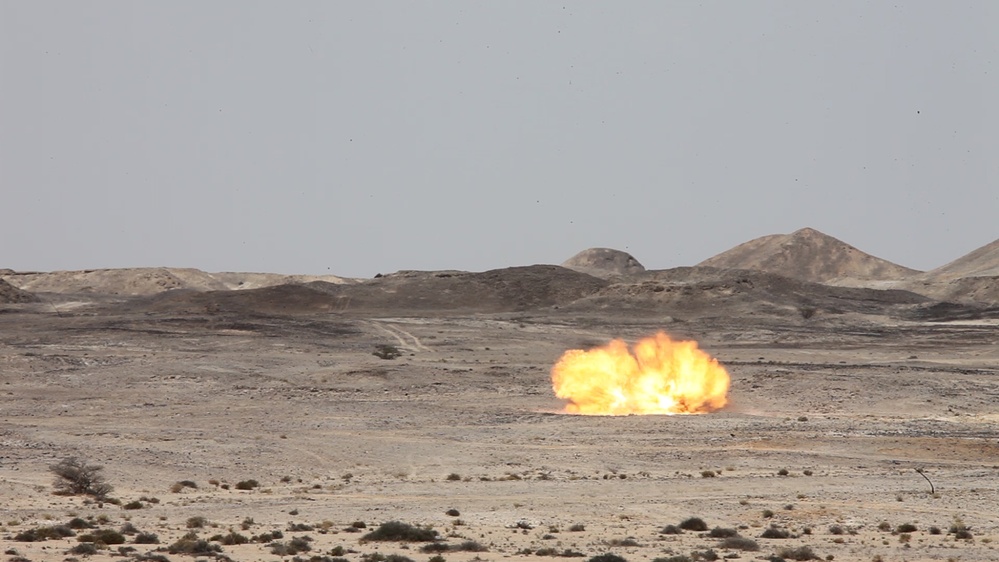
657,376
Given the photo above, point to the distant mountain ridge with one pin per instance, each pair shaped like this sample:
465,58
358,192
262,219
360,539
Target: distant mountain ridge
809,255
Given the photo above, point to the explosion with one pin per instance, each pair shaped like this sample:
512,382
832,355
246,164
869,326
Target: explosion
658,376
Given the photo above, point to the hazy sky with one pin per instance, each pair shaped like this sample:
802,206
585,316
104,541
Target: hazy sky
363,137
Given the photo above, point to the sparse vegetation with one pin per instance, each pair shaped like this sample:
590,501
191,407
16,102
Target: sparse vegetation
40,534
693,524
721,533
739,543
191,544
401,532
75,477
670,530
146,538
577,528
106,536
607,557
773,532
905,528
799,553
960,530
196,522
247,484
83,549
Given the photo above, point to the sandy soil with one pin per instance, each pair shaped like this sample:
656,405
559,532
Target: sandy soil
466,420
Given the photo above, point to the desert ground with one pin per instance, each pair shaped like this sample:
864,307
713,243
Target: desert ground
846,405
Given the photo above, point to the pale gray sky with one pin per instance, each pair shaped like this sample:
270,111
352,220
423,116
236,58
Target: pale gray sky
363,137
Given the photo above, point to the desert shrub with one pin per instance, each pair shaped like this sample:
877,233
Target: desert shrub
934,530
300,527
193,545
607,557
708,555
454,477
359,525
577,528
836,530
721,533
77,523
233,538
106,536
799,553
85,549
75,477
782,472
569,553
133,505
775,533
884,526
151,557
960,530
385,351
693,524
707,474
622,542
905,528
469,546
196,522
452,512
40,534
768,513
435,547
128,529
399,531
398,558
268,537
247,484
670,530
146,538
739,543
677,558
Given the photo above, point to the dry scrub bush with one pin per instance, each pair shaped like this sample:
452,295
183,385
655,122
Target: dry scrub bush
75,477
402,532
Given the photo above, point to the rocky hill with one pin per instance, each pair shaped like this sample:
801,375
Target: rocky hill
809,255
604,263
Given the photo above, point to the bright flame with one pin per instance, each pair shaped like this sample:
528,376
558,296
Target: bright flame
660,376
